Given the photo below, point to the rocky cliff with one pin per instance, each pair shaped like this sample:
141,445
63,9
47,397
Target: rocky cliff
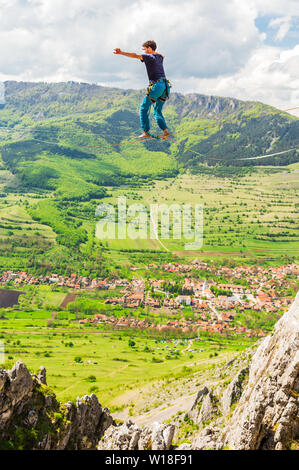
267,416
32,418
129,436
258,409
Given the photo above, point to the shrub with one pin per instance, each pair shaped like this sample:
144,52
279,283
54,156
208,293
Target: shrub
91,378
156,359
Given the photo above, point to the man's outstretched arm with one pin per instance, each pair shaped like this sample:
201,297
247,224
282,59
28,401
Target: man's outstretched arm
132,55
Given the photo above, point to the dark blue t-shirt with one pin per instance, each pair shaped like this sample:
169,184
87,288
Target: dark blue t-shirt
154,66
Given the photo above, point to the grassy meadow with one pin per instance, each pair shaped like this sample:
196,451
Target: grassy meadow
106,364
254,217
67,147
113,363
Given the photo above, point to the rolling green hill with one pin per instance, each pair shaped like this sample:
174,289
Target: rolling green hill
75,137
64,147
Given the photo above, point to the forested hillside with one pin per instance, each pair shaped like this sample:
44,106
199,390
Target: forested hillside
75,137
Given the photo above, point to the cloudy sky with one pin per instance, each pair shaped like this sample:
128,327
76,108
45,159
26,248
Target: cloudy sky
248,49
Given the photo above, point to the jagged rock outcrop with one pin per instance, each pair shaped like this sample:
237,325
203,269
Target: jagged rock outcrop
261,413
205,406
42,376
208,440
233,392
16,387
32,418
129,436
267,414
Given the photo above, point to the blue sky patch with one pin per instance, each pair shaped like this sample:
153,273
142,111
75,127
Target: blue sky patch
290,39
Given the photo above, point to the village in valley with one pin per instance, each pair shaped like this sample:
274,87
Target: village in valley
213,305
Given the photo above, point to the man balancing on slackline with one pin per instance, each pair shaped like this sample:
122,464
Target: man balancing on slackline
158,89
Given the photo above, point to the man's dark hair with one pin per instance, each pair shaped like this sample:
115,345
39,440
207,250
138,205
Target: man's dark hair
151,44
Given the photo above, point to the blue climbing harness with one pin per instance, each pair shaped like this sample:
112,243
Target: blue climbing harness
165,94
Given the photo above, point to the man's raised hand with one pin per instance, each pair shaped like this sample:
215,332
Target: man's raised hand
132,55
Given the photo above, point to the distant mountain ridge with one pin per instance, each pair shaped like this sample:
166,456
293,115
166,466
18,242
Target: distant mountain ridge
47,127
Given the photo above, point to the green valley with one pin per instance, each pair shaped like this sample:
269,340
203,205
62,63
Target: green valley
119,316
67,147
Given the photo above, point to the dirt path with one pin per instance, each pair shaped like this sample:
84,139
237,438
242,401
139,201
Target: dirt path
161,413
46,331
68,388
222,253
212,253
116,371
156,233
67,299
130,396
188,347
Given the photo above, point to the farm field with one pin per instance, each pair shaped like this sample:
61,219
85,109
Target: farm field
254,216
116,364
81,360
55,171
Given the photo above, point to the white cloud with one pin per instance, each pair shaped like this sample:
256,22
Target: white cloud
276,7
42,38
270,76
283,24
210,46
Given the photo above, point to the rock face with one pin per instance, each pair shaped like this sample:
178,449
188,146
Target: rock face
233,392
129,436
42,375
31,417
16,387
267,416
258,410
208,440
204,407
